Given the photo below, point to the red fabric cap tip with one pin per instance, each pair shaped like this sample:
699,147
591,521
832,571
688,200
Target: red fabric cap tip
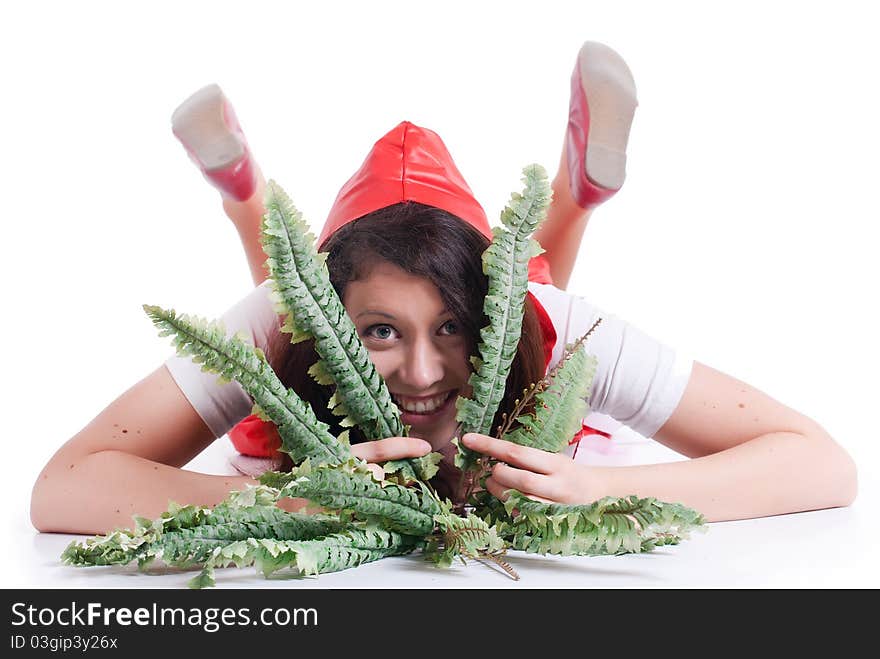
409,163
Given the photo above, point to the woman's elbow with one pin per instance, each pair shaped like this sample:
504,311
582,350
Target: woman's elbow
50,499
41,505
847,478
839,469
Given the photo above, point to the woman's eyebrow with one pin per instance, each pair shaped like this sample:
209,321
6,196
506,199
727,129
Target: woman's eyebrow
388,315
373,311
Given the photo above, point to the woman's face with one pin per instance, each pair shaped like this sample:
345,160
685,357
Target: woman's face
416,345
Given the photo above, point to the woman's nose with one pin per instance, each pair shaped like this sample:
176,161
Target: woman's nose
423,365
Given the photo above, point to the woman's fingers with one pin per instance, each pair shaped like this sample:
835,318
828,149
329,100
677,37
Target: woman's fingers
391,448
538,486
501,492
533,459
538,474
496,490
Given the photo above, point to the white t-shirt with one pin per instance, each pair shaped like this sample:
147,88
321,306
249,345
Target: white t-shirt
638,382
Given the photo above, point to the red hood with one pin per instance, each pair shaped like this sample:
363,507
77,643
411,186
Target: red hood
409,163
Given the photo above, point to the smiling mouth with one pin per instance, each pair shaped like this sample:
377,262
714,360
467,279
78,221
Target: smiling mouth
423,406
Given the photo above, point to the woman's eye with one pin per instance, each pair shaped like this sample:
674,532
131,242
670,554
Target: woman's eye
383,332
450,327
386,332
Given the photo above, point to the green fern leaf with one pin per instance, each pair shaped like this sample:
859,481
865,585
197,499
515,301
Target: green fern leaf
347,549
303,289
258,412
423,468
403,509
188,536
302,434
506,263
561,406
608,526
319,373
462,537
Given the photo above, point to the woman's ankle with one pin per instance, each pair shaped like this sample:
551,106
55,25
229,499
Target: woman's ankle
247,215
563,206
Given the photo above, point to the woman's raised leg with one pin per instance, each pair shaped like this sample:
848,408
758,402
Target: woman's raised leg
561,232
206,125
247,216
592,166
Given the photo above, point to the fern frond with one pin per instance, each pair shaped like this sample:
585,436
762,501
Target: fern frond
506,263
462,537
561,406
303,289
190,535
333,553
408,470
302,434
608,526
403,509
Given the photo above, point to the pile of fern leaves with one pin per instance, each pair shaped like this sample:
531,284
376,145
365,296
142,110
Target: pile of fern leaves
363,518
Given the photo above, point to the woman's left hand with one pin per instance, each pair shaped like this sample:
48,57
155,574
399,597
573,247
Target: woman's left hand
541,475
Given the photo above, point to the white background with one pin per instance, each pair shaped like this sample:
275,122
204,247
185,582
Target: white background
745,233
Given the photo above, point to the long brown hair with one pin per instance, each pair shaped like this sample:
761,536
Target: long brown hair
427,242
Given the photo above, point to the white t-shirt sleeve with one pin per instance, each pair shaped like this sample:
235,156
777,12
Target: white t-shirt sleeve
221,406
639,381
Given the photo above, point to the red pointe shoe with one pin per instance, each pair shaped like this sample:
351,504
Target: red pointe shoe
206,125
600,113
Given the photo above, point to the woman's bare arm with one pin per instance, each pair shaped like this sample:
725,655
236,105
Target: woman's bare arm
752,457
127,461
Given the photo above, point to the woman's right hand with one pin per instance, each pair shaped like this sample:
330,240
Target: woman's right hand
390,448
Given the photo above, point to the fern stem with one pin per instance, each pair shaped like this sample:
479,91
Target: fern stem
495,557
528,395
